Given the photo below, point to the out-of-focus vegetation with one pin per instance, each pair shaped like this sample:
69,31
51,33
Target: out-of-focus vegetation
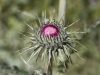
14,12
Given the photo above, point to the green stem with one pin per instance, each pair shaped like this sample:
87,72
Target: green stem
50,67
62,7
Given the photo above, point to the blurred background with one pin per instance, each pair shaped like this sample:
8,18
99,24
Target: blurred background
14,12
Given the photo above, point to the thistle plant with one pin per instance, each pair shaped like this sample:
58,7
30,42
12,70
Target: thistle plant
51,42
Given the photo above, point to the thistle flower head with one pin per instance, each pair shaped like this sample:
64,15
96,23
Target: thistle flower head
51,40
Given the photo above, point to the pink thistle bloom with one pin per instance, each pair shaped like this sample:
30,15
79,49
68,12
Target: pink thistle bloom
50,30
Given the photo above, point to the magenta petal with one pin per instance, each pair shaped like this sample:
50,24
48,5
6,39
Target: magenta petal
50,30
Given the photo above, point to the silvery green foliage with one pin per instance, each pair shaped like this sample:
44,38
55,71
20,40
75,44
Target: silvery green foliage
7,70
39,72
